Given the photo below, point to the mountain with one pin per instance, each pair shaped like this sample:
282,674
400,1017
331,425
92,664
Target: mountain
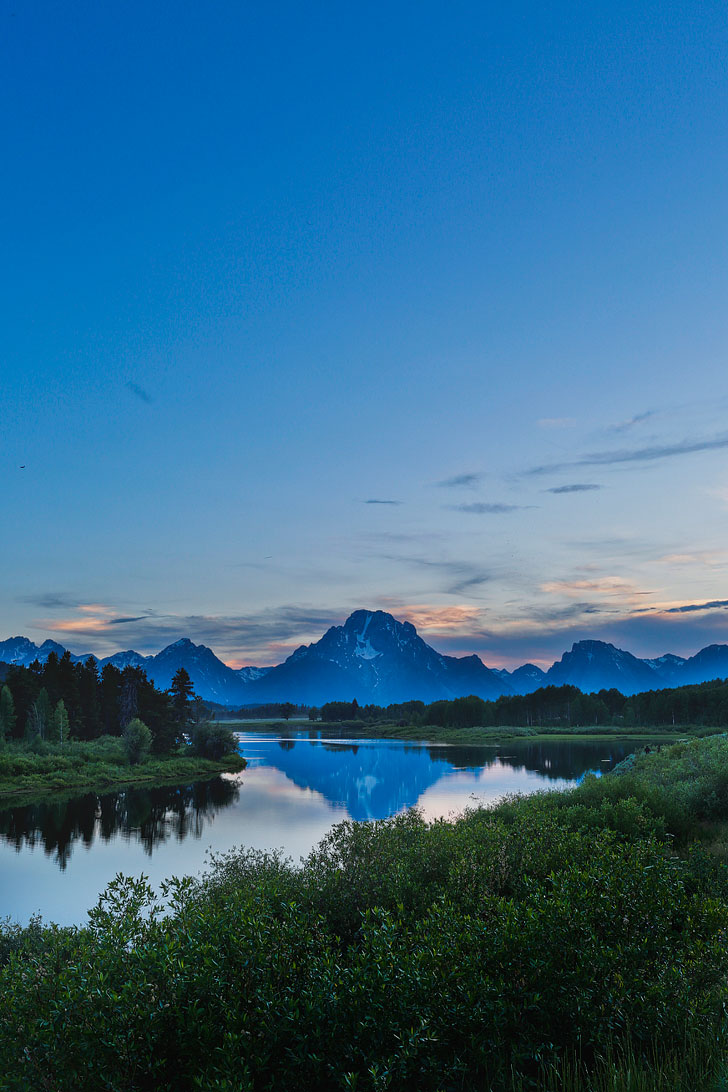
211,678
22,651
126,659
709,663
596,665
250,674
667,668
374,658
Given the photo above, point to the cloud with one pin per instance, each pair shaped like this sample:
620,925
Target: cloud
461,576
577,487
556,422
460,481
50,600
237,640
634,455
609,587
482,509
625,426
708,558
427,616
139,392
689,608
376,500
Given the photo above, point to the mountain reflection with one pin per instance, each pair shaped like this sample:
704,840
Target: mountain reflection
148,816
371,779
376,779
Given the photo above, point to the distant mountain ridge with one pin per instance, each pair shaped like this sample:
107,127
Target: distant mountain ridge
377,659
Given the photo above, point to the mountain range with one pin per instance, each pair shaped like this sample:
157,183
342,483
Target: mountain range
376,659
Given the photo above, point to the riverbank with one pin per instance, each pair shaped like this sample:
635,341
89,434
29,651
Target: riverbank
567,940
424,733
97,765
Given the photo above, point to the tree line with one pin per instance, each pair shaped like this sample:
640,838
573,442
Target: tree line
59,699
553,706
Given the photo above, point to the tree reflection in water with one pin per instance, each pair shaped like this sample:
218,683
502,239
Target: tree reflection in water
146,815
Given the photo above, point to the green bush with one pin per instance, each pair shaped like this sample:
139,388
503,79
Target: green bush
137,740
211,739
493,952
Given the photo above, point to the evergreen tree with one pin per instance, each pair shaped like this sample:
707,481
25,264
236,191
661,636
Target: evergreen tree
181,691
131,678
40,717
88,689
7,713
110,698
60,723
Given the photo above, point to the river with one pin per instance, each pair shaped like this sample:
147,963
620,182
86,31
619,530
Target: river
56,856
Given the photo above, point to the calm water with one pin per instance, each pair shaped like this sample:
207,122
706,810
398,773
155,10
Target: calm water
55,858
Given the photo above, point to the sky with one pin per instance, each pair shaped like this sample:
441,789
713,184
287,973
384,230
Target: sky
414,307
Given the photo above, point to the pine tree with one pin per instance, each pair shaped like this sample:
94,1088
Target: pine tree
60,723
7,713
181,692
40,717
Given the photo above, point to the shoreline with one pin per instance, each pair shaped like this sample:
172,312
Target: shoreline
170,771
490,736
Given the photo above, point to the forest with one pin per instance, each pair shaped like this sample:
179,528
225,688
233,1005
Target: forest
703,704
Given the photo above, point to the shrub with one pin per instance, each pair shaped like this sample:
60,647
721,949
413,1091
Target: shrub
210,739
137,740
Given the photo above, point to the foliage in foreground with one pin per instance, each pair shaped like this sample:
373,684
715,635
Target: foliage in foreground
554,941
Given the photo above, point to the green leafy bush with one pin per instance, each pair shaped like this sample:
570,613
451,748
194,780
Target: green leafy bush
211,739
493,952
137,740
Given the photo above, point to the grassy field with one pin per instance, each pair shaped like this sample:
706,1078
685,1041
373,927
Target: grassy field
476,735
99,764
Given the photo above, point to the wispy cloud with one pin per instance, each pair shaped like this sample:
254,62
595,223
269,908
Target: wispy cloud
650,454
577,487
604,587
377,500
262,637
556,422
460,576
459,481
51,600
708,558
690,608
480,508
429,617
638,419
139,392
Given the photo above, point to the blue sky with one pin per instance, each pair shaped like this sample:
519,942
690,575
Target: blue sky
420,307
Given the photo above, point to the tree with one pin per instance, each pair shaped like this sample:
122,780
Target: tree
60,722
7,713
137,741
40,717
286,709
131,677
181,691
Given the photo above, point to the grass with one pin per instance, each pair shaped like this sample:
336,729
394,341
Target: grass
492,734
96,765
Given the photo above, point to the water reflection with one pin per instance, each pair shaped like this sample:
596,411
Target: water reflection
374,779
148,816
368,779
